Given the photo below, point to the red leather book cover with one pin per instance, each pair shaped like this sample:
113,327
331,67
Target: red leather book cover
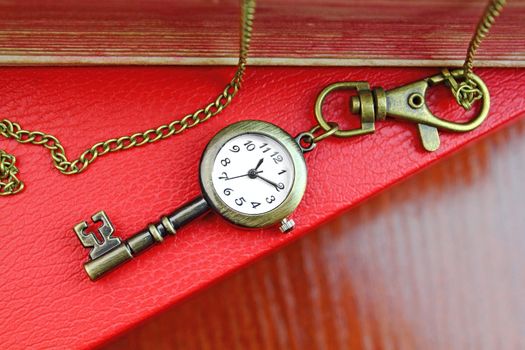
46,299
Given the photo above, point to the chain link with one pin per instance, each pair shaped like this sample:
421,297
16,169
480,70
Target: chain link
467,92
9,184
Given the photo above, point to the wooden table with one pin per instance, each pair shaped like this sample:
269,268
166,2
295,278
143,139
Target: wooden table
437,262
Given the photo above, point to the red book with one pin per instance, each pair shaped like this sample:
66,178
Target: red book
47,301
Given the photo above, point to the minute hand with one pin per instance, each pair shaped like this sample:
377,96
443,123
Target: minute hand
236,177
277,187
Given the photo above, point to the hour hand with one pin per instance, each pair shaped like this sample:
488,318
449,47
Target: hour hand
258,164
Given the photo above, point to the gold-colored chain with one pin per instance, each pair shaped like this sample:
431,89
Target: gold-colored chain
10,184
467,92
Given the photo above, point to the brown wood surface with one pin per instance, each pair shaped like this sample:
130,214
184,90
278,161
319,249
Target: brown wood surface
437,262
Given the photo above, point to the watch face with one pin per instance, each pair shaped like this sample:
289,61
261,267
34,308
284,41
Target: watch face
253,173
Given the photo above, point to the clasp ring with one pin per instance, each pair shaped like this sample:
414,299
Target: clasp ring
367,113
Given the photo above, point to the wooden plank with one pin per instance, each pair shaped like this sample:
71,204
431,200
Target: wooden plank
435,263
302,32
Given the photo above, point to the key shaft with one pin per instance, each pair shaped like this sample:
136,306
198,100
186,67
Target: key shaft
142,240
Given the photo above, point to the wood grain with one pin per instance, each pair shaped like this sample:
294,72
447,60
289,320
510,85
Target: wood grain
293,32
436,262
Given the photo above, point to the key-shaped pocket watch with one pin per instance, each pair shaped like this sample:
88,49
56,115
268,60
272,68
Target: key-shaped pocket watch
253,173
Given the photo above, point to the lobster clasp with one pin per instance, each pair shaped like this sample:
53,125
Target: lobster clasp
408,103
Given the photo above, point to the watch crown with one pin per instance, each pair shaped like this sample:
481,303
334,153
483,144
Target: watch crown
287,225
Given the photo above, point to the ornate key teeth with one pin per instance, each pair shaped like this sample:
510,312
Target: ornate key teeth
89,240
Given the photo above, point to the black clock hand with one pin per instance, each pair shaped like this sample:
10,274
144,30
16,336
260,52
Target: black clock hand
258,164
252,173
238,176
277,187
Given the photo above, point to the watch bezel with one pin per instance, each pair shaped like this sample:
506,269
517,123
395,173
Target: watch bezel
253,220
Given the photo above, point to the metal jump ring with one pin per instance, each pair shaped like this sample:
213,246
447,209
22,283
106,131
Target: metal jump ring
334,128
307,140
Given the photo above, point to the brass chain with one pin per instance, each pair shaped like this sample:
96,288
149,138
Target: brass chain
467,92
10,184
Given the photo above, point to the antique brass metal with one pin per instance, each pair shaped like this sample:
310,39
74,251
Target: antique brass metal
9,182
257,220
89,240
112,252
366,108
407,103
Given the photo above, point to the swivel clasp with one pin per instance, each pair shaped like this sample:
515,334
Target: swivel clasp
407,103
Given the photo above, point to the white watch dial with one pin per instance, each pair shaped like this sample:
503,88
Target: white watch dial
253,173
